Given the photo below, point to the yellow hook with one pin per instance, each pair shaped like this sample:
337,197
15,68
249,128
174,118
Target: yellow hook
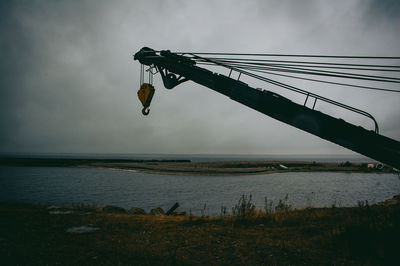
145,95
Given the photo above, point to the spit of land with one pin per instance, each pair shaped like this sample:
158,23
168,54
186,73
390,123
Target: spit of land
186,167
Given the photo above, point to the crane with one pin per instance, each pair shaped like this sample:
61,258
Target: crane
176,68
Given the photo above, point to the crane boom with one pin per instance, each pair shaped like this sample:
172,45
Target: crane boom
175,69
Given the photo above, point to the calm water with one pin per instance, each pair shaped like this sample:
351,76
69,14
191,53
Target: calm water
200,194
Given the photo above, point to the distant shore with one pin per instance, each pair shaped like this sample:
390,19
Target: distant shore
187,167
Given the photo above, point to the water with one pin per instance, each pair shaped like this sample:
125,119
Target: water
198,194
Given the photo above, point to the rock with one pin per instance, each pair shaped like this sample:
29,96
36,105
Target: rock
283,167
393,201
82,229
113,209
61,212
137,211
346,164
179,213
157,211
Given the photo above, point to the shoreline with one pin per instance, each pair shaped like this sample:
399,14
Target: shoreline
187,167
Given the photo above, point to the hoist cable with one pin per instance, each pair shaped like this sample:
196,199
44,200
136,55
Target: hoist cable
330,82
326,73
299,62
312,71
317,72
317,66
294,55
323,81
141,74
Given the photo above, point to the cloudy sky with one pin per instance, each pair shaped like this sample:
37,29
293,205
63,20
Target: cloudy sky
68,81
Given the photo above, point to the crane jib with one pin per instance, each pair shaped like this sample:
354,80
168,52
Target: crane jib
176,69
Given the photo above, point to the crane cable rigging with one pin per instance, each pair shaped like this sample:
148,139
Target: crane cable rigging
315,80
300,69
252,67
257,65
328,69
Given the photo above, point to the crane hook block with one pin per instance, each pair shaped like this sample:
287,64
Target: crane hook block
145,95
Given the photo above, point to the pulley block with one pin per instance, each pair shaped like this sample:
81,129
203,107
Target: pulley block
145,95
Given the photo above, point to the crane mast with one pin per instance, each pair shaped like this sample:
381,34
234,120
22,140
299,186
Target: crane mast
175,69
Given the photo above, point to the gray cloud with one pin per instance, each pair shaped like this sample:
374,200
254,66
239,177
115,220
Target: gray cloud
387,9
68,82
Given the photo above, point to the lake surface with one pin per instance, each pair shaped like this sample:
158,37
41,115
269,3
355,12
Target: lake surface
198,194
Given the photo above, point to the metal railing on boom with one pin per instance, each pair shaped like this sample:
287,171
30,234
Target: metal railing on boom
308,94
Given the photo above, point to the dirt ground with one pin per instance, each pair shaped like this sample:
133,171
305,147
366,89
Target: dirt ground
89,235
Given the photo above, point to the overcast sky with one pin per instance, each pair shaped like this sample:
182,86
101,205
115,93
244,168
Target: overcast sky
68,81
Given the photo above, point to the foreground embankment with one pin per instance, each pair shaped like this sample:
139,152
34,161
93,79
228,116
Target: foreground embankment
88,235
186,167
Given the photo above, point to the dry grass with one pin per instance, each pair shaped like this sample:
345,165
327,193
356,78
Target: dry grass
363,235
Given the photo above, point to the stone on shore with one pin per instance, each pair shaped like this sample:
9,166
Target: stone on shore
393,201
113,209
82,229
137,211
157,211
179,213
